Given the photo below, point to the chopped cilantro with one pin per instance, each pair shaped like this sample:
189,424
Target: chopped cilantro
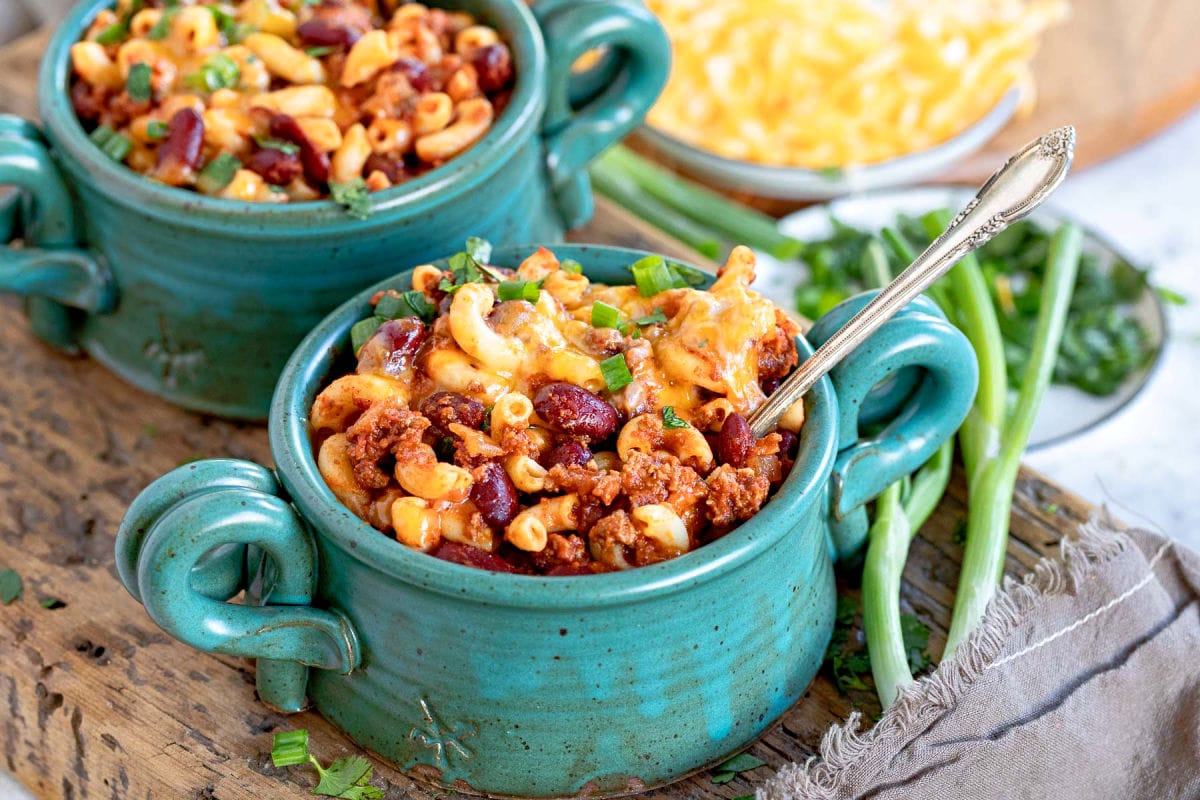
347,778
353,196
728,770
321,51
219,72
268,143
409,304
218,173
157,129
670,421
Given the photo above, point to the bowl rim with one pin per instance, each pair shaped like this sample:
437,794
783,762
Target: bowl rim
462,173
335,525
839,180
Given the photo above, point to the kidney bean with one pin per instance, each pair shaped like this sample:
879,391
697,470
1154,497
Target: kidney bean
275,166
494,495
393,347
575,410
392,168
444,409
419,76
179,153
789,444
493,64
735,441
471,557
567,453
316,162
322,33
769,385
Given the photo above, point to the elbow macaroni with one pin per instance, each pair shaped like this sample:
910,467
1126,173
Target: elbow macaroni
498,462
248,66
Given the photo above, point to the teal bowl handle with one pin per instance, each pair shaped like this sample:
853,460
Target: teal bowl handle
49,270
918,339
574,135
175,525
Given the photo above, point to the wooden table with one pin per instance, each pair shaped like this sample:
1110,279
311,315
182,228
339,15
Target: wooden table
98,703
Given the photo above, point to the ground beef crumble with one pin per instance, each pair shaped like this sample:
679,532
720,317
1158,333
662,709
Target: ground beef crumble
660,478
386,428
734,494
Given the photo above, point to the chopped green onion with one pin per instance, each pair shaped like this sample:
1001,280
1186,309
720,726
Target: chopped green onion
113,34
268,143
519,290
605,316
289,748
322,51
364,330
671,421
114,145
479,249
616,372
219,72
652,275
409,304
157,129
218,173
353,196
162,27
571,265
137,85
226,22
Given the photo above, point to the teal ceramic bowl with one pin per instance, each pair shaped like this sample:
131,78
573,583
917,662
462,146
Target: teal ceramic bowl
531,686
201,300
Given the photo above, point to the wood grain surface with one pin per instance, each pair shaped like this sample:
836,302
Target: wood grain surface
95,702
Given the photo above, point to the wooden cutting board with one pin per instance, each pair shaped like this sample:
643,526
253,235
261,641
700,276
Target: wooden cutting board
1118,70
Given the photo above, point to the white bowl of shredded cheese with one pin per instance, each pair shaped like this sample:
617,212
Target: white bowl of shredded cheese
813,99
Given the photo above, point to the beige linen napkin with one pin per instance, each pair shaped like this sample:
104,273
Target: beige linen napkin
1083,682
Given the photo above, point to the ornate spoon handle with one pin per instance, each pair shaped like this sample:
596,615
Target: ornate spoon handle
1018,187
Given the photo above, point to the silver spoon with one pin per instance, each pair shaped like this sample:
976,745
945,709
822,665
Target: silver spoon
1017,188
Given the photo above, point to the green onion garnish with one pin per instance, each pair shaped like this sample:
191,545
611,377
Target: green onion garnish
137,85
605,316
114,145
686,276
409,304
519,290
162,27
113,33
268,143
218,173
321,51
289,748
219,72
571,265
226,22
652,275
671,421
353,196
157,129
615,372
364,330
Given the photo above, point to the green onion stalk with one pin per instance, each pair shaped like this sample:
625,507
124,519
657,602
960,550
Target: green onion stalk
990,485
661,196
625,191
899,514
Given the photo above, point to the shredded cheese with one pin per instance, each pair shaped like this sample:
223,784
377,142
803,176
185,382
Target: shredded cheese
839,83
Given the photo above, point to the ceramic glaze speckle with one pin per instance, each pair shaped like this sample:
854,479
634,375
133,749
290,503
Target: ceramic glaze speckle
535,687
201,300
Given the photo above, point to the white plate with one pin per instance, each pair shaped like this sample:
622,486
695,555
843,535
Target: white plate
1066,411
